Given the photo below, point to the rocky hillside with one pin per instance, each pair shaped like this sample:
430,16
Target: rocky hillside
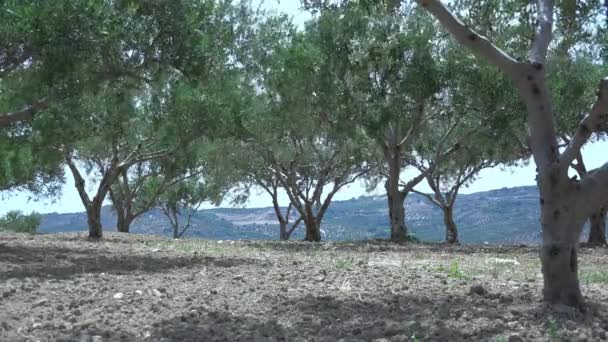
504,216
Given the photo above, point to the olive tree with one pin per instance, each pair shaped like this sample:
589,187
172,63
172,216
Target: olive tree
295,129
390,65
566,203
43,63
488,131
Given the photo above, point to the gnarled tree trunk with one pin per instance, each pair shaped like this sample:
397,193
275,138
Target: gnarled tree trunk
597,230
559,253
396,212
395,197
94,220
561,220
313,227
123,223
313,230
283,231
451,231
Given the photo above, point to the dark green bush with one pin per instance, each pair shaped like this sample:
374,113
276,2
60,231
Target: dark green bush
16,221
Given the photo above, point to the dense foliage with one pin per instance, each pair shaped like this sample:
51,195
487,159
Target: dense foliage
16,221
169,104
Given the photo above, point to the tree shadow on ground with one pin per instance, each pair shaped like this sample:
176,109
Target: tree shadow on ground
95,334
390,318
63,263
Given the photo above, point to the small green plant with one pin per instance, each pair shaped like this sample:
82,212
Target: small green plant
553,331
456,272
16,221
453,271
412,238
595,277
344,263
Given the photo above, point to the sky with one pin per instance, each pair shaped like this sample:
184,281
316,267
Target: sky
524,174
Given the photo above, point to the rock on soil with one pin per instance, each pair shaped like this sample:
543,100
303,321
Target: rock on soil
141,288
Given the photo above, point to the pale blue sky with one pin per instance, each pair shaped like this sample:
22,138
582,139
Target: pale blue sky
595,155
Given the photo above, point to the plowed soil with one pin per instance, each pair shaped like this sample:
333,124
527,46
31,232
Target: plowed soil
141,288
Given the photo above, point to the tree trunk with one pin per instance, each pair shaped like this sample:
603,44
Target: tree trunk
123,224
283,234
561,229
313,230
560,267
94,221
561,222
396,212
597,232
451,231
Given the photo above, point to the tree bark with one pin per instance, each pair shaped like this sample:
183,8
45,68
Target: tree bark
597,231
123,224
283,231
562,224
396,198
560,215
313,229
451,231
94,220
396,212
559,259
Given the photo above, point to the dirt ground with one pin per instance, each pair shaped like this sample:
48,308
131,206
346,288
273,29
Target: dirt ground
143,288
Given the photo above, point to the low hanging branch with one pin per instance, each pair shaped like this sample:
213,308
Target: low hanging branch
468,37
24,115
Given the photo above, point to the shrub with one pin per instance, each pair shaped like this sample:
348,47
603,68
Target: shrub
16,221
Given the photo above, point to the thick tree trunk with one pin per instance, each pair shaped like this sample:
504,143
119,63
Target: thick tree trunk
283,231
560,215
94,221
561,229
597,232
560,266
396,212
396,198
451,231
313,230
123,224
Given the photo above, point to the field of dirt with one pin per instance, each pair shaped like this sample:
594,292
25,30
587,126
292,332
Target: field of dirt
143,288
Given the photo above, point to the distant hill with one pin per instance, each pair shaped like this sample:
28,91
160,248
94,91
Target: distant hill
504,216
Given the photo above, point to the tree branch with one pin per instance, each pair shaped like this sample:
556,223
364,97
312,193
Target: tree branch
79,182
594,186
590,124
24,115
544,32
479,44
429,197
415,128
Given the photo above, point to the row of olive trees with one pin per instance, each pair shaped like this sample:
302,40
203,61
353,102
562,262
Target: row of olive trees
365,91
172,103
407,97
127,96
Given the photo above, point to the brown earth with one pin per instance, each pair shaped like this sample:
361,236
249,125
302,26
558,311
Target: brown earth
143,288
